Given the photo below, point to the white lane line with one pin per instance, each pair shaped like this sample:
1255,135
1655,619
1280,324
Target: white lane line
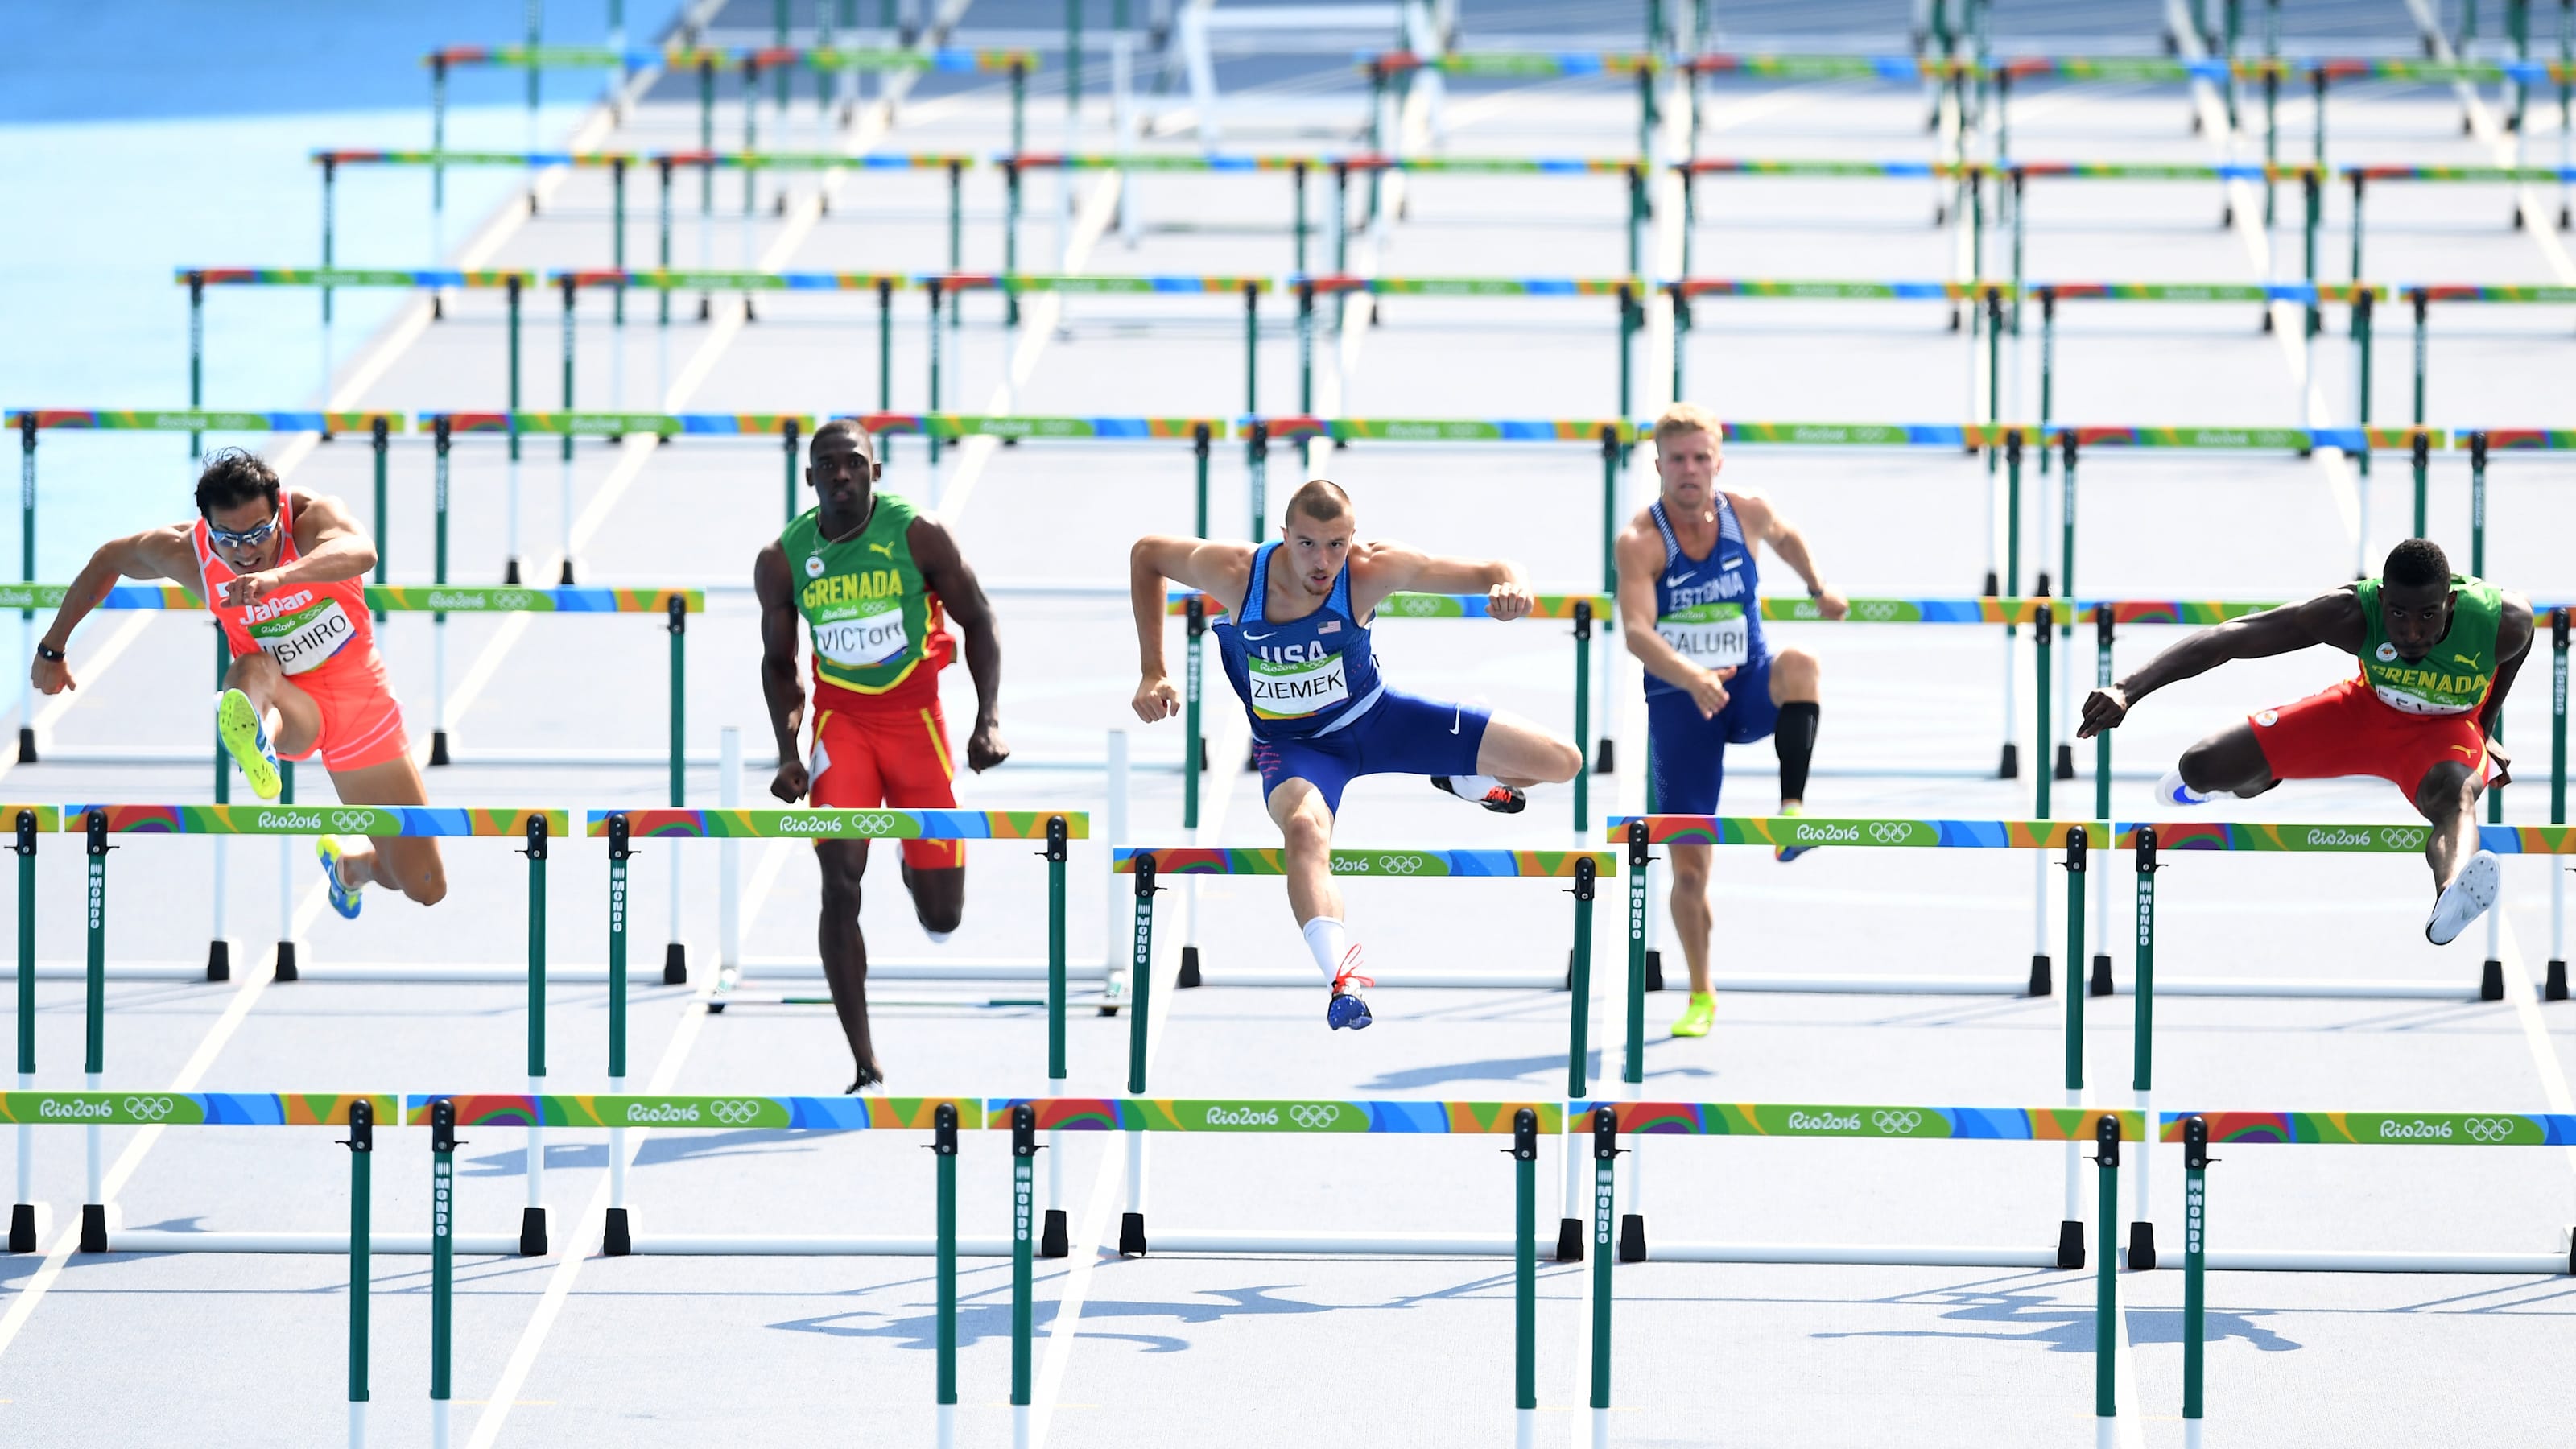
1038,320
2535,1030
2502,147
91,668
128,1161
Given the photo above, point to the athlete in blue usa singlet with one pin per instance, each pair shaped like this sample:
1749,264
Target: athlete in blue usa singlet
1690,606
1295,643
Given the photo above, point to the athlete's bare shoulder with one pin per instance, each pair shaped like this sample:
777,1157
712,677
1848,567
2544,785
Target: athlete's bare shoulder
2333,618
319,516
168,552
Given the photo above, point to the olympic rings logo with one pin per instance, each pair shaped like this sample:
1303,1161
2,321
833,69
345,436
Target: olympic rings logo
1875,611
1397,865
2403,837
1418,605
512,600
2489,1130
1897,1123
150,1109
353,819
1891,832
733,1112
1314,1116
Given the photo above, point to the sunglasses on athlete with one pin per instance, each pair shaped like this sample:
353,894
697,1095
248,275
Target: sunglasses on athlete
247,538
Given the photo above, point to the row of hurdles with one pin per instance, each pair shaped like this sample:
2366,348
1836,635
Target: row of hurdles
1587,1128
623,831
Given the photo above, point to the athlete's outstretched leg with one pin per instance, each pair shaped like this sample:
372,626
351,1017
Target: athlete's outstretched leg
2229,762
1691,915
2464,876
1520,754
1796,687
406,863
1305,821
845,950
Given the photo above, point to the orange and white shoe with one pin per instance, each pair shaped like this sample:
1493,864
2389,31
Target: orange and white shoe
1347,1010
1500,798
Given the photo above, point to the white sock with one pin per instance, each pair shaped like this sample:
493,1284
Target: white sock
1472,787
1329,941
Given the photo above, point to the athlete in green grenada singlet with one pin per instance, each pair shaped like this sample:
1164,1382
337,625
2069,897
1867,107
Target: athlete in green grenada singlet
870,581
2438,654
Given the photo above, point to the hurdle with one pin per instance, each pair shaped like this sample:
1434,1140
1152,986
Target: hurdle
2359,179
1629,293
328,280
2151,840
941,1117
1340,166
1013,430
445,427
1608,1121
2481,444
2200,1131
1582,610
358,1112
535,828
2419,297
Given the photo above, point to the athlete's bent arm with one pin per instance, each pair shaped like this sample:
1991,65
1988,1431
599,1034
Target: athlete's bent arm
779,686
1222,571
155,553
944,569
1641,557
1381,569
1762,521
2331,618
329,547
2515,631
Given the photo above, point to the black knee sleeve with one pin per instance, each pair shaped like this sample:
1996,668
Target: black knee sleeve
1794,737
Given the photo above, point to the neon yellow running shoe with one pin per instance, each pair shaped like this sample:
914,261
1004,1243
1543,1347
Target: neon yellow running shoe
1786,853
238,725
344,897
1699,1016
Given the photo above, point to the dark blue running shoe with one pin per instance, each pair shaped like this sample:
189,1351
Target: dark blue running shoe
1347,1010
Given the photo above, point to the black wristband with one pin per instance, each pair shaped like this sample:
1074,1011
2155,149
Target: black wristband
50,653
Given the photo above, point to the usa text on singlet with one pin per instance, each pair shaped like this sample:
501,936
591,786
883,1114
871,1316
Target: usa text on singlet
1301,677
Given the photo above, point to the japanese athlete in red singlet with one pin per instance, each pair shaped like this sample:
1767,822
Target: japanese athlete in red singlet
284,574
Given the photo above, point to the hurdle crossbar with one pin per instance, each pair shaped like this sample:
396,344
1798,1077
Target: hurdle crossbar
535,828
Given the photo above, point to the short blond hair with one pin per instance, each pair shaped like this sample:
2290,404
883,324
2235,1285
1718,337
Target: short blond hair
1685,417
1320,499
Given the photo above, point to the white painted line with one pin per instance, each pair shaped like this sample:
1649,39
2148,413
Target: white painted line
2535,1030
92,669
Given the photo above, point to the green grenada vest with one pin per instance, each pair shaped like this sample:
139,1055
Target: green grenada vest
865,605
2454,677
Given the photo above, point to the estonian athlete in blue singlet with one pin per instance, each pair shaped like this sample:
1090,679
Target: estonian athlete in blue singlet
1296,646
1687,603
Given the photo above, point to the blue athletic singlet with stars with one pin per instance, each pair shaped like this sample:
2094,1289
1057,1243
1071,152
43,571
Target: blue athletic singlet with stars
1705,608
1305,678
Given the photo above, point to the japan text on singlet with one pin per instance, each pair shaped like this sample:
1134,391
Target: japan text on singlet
1705,608
1304,677
2451,679
872,618
303,626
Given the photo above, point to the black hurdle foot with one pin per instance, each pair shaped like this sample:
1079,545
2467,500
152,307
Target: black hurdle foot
2142,1247
1190,967
1632,1238
93,1237
2555,988
2041,982
2010,768
1052,1240
1654,971
1605,757
2065,761
22,1227
532,1232
437,748
510,572
1569,1240
619,1240
1131,1235
2491,981
286,961
2100,985
2070,1244
219,960
26,744
675,964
